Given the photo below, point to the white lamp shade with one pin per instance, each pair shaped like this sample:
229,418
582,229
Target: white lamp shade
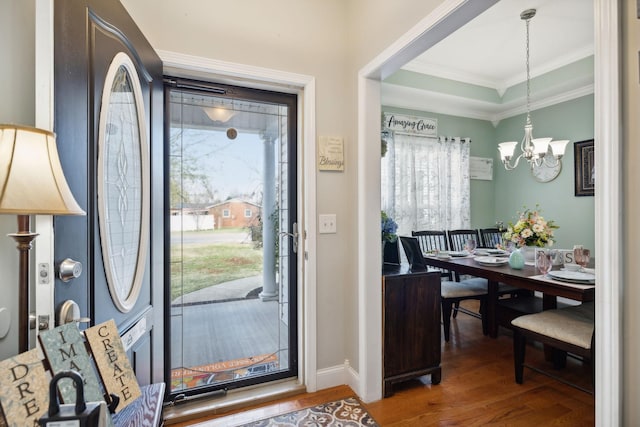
558,147
219,114
507,149
31,177
540,145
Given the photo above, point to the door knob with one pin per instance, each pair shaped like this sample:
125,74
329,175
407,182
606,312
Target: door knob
69,269
69,312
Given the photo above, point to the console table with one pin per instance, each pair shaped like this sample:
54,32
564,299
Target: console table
411,326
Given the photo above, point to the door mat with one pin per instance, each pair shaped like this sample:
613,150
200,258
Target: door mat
184,378
345,412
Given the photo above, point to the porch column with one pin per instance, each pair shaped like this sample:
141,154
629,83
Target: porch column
269,286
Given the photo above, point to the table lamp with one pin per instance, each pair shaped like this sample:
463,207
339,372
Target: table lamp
31,183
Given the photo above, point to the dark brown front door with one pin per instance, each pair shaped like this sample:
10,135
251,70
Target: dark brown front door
117,181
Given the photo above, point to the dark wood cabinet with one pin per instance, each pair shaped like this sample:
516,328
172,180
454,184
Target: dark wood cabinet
411,326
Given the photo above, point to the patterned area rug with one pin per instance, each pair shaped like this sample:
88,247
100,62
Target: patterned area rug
341,413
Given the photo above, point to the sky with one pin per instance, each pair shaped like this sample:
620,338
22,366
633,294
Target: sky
232,167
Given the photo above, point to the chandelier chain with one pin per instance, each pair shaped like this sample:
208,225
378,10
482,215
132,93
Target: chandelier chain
528,75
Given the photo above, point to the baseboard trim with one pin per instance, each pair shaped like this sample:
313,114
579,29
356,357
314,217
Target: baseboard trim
338,375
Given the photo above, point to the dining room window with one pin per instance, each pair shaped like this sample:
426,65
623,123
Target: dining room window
425,182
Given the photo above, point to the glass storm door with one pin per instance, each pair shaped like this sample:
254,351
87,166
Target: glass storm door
231,225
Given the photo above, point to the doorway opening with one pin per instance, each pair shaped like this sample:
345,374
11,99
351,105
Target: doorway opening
231,226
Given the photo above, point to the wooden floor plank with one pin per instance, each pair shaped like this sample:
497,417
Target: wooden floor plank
477,389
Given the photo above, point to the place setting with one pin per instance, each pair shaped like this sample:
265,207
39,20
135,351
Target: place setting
575,273
485,256
491,261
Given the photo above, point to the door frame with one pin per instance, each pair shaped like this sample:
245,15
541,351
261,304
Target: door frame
44,117
446,18
193,67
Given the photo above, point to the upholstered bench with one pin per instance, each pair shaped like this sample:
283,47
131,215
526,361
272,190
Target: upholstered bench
567,330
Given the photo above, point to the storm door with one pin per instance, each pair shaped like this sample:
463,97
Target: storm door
231,215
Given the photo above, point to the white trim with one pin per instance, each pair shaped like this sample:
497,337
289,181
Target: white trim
307,179
44,112
608,215
437,102
443,71
181,65
177,64
607,201
338,375
369,279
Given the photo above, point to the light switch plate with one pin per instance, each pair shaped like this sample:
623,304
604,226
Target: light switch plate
327,223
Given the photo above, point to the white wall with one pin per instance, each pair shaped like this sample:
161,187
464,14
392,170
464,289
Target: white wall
17,105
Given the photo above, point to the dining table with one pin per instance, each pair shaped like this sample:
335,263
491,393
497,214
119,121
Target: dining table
526,278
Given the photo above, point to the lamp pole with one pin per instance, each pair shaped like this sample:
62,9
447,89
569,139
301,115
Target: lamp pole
23,239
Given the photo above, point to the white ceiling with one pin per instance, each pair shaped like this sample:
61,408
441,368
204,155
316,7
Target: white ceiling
490,50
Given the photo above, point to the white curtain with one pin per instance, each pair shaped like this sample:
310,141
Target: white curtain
425,182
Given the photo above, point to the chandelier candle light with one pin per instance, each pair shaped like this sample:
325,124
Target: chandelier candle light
537,151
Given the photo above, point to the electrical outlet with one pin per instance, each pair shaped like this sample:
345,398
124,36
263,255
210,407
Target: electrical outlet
327,223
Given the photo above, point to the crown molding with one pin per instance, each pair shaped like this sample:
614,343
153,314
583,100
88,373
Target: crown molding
398,96
500,85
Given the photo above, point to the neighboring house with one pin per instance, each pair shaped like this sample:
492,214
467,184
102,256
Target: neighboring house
234,213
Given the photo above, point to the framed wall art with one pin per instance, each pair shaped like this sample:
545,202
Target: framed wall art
585,177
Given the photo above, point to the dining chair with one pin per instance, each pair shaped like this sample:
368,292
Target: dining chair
451,292
458,238
457,241
567,330
433,240
490,237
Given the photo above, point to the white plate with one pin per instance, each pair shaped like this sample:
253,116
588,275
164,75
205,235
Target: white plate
497,252
458,253
489,260
490,251
573,276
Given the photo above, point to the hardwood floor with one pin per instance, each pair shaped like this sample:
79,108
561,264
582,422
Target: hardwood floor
477,389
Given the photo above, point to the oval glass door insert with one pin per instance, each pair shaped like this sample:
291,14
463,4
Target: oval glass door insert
123,183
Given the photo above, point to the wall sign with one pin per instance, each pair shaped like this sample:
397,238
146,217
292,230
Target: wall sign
481,168
330,153
410,124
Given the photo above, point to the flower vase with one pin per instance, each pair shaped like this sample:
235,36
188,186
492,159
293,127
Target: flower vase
516,259
390,252
529,253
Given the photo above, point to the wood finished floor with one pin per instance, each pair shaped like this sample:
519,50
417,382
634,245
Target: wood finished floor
477,389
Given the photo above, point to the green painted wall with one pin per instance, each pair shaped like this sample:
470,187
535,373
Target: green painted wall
572,120
504,196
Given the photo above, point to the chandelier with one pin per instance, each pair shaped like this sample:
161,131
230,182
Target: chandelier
537,151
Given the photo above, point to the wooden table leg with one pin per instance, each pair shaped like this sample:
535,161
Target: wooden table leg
492,306
549,302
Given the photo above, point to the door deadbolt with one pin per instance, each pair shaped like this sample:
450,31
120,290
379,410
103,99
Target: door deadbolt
69,269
